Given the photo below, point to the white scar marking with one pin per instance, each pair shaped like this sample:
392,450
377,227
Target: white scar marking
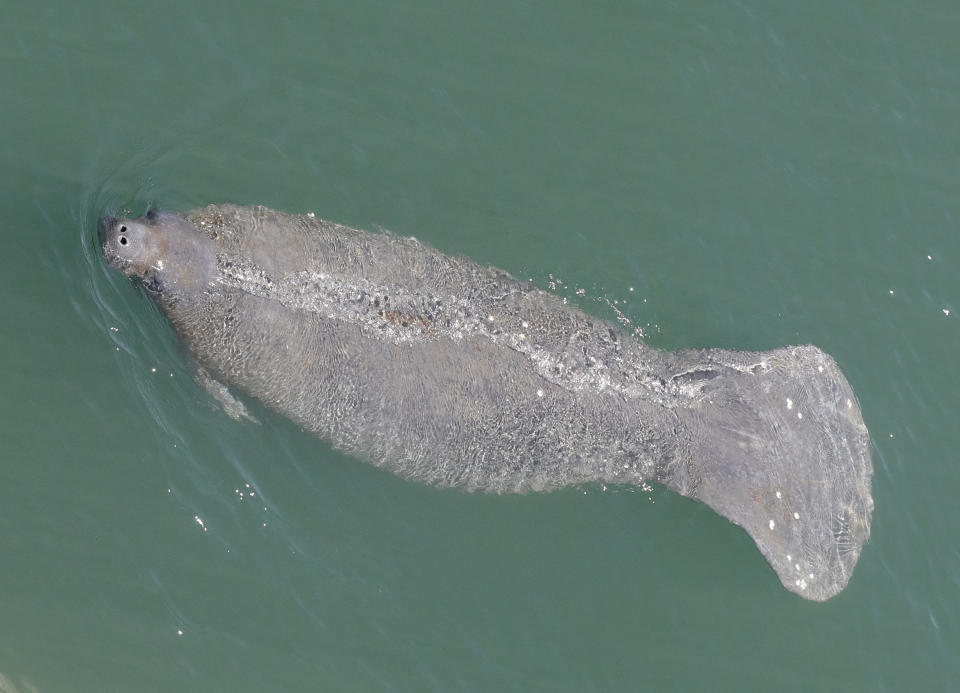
772,524
789,403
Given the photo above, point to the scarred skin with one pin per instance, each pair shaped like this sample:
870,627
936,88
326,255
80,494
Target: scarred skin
450,373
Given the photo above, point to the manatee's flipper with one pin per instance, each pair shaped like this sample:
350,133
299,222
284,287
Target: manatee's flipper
233,407
777,445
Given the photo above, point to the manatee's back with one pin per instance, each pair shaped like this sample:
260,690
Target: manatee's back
432,366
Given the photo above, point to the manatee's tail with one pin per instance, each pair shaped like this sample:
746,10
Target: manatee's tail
776,444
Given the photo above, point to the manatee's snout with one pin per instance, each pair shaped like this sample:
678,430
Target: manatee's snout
162,249
107,234
127,244
104,224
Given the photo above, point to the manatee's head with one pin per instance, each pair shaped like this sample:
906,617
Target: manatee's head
163,250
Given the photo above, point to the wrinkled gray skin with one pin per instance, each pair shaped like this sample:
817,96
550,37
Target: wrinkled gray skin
454,374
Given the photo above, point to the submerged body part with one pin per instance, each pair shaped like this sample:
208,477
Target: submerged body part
450,373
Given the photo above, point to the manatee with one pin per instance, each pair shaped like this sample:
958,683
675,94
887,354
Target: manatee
451,373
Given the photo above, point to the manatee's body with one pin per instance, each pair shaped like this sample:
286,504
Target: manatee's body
451,373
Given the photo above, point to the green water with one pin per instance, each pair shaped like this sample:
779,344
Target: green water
761,173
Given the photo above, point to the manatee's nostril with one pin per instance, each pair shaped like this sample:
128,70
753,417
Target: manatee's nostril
122,229
123,240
